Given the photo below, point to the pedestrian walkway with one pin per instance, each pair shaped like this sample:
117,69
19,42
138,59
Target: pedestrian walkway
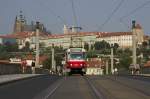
145,74
15,77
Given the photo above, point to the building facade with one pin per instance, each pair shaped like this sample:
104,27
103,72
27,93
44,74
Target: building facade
21,25
123,39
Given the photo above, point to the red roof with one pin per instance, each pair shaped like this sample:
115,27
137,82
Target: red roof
41,58
114,34
4,61
147,64
98,34
95,64
22,35
7,36
138,26
73,34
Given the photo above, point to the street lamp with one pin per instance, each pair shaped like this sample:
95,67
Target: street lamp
112,59
37,47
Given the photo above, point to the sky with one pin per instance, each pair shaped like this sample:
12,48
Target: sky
91,15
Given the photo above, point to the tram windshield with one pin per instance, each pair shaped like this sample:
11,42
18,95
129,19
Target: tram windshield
78,56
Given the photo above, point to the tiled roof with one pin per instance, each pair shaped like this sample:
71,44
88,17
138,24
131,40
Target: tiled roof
4,61
7,36
146,37
73,34
41,58
138,26
98,34
147,64
109,34
94,64
23,35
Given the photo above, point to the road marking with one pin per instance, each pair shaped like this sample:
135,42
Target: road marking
98,94
53,90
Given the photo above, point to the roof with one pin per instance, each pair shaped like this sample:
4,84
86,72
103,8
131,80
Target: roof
108,34
98,34
147,64
41,58
94,64
7,36
138,26
73,34
4,61
23,35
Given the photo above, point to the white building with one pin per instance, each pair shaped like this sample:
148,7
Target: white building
124,39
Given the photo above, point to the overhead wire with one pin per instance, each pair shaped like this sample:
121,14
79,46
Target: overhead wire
136,9
132,12
60,18
74,14
111,15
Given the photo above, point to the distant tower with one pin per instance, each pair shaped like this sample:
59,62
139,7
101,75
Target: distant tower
20,23
139,33
66,29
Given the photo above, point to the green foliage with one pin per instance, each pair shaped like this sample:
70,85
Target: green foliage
86,46
125,61
101,45
91,54
115,48
47,63
59,54
6,48
125,58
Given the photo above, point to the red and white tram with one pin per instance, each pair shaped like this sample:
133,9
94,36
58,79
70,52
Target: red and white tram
76,60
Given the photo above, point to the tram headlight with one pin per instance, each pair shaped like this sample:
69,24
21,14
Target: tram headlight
70,64
81,64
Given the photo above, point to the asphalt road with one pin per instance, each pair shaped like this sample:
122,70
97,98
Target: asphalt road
26,89
78,87
123,87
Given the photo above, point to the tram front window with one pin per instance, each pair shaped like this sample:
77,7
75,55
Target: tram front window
77,56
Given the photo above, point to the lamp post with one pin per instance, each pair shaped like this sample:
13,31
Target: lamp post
134,42
112,60
53,60
37,47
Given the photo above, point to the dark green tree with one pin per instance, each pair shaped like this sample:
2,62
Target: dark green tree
86,46
125,61
47,63
116,46
101,45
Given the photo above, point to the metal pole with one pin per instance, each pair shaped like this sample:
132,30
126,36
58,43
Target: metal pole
112,59
133,44
37,45
71,41
106,67
53,63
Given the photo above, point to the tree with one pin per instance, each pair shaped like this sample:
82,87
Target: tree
86,46
115,47
11,47
124,58
47,63
59,54
97,46
91,54
101,45
125,61
144,44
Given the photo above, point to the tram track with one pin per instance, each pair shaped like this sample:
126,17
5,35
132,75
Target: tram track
54,90
129,86
100,91
97,93
91,87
